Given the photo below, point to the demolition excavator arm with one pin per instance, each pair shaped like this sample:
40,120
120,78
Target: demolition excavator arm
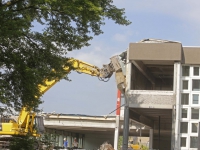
26,121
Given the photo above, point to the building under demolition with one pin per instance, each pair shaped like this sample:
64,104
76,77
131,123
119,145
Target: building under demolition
161,97
163,87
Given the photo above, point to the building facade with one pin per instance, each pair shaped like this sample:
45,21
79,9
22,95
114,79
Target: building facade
163,87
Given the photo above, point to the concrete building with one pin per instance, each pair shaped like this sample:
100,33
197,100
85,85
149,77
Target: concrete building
162,95
90,131
163,87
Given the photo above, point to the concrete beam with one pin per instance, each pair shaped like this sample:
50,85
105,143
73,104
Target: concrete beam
156,51
151,99
144,70
79,123
140,118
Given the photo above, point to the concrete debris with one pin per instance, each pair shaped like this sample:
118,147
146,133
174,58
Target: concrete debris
106,146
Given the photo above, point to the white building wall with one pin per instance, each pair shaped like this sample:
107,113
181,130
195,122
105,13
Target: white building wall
177,114
189,107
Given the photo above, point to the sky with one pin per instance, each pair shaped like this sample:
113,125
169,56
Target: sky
168,20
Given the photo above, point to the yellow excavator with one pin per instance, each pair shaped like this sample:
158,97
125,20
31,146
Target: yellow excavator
29,123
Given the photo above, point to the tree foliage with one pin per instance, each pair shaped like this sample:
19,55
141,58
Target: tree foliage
28,55
23,143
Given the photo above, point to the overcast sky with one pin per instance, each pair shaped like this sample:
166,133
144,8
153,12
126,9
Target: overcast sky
170,20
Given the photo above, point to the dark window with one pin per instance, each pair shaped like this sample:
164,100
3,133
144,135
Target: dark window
196,71
195,85
185,71
184,127
184,99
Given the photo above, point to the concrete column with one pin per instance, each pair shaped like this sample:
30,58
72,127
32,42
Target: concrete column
116,133
128,74
151,139
117,119
177,122
80,141
69,141
57,140
173,127
174,108
126,107
125,127
60,143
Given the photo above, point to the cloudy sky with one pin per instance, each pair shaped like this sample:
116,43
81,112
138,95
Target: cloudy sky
170,20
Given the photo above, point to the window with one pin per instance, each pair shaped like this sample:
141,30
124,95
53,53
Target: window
195,85
185,85
184,112
184,127
196,71
194,127
194,113
195,99
183,141
193,142
190,109
185,70
184,99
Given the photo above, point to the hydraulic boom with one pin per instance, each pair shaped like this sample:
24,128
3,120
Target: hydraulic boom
26,121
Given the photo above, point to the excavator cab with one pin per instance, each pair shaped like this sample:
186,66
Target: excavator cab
37,129
39,124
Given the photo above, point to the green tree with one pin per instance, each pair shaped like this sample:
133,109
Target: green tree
27,55
23,143
28,142
120,142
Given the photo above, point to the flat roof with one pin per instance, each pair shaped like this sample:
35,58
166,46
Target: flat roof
163,51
